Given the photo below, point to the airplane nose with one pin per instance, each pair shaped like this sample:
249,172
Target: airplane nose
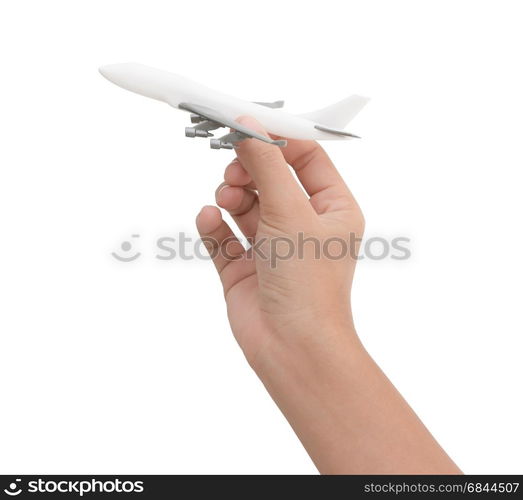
137,78
111,72
126,75
103,71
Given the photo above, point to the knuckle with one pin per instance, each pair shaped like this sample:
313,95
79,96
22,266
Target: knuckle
270,155
218,189
247,203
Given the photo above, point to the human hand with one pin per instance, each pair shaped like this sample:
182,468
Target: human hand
294,285
290,311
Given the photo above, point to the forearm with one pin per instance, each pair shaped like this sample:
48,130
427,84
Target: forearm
347,414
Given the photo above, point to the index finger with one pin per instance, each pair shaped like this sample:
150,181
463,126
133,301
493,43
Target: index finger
278,190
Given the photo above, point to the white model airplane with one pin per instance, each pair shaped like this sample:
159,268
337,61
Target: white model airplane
211,109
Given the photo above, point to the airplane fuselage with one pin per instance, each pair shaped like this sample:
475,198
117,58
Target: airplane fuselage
174,90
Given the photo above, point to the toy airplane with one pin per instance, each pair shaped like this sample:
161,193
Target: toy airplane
211,109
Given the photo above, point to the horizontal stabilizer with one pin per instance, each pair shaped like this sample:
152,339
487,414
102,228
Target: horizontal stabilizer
273,105
337,115
336,131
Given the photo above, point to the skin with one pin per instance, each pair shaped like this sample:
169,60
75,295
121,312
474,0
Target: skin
293,320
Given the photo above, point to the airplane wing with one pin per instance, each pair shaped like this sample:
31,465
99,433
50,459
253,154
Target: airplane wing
218,119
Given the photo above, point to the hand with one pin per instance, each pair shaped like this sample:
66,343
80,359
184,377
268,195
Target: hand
301,272
289,307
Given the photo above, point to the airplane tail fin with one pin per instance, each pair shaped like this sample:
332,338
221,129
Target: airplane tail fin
338,115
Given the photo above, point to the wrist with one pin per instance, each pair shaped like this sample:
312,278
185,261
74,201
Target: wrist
306,348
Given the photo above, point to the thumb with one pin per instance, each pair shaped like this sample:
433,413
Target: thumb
278,191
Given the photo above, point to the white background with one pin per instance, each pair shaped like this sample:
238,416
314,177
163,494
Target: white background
131,368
